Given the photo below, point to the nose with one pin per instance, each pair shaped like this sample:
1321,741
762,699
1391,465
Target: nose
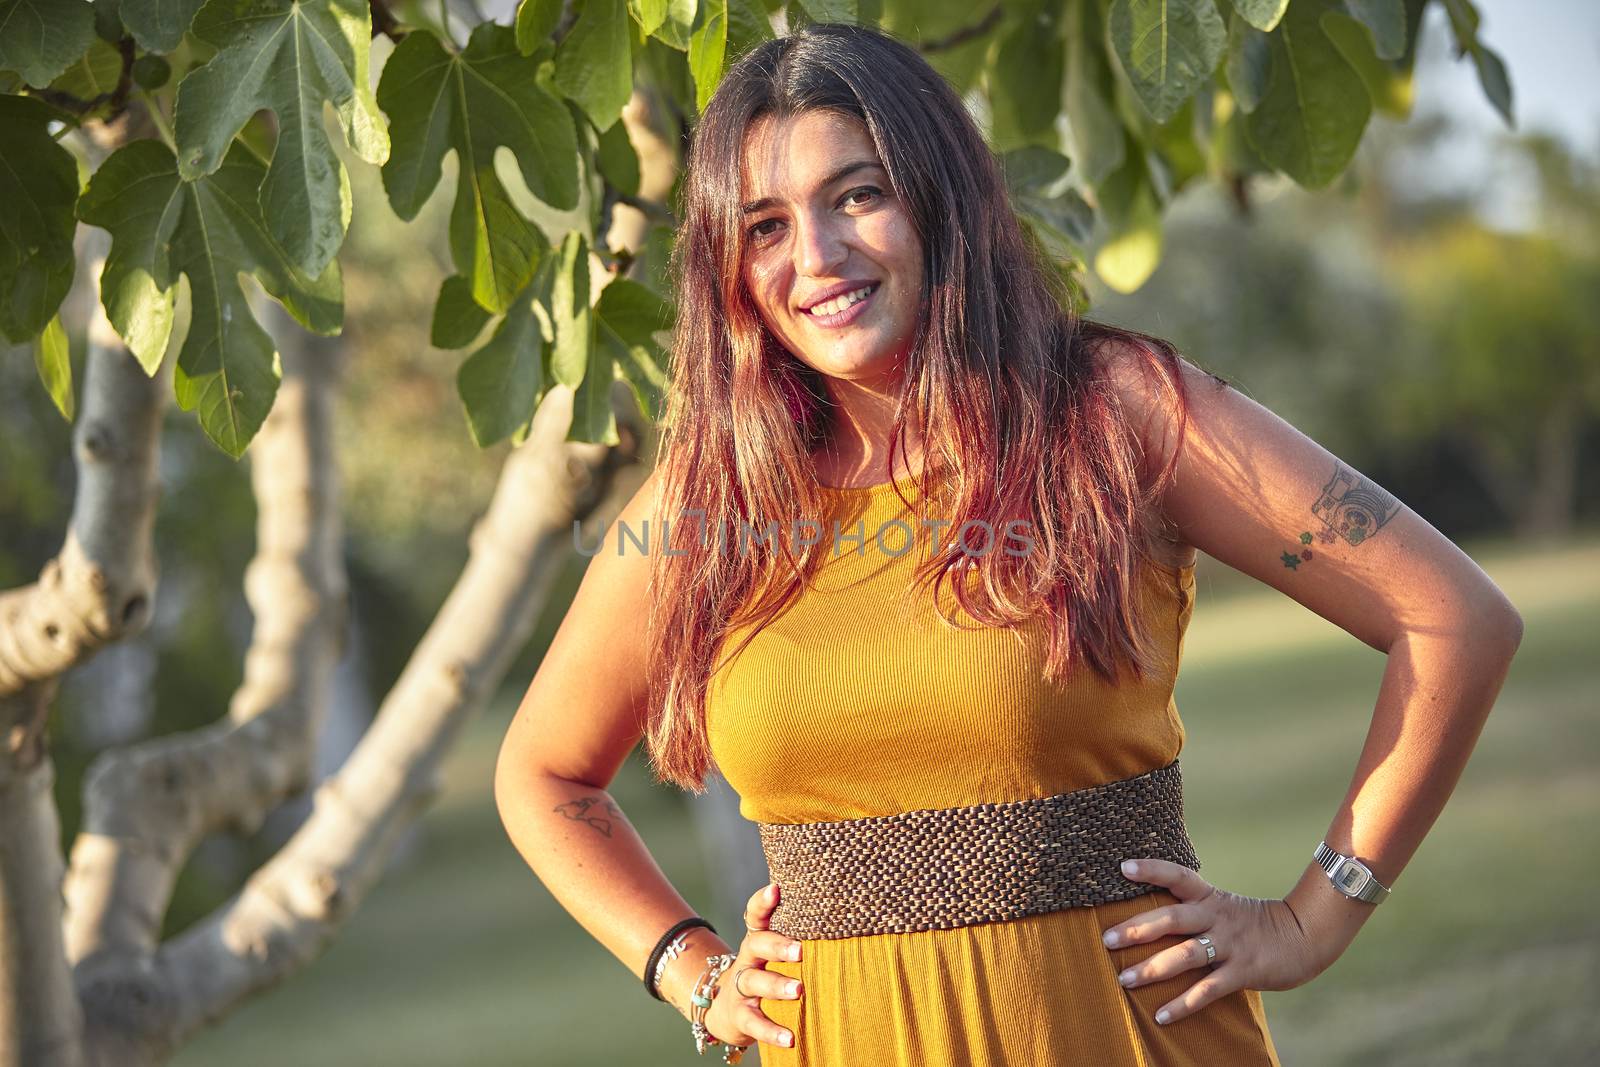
819,247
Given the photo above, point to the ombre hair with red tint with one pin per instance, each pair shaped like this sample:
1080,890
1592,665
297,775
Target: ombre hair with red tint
1005,382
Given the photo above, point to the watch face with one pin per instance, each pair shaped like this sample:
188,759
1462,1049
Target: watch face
1351,878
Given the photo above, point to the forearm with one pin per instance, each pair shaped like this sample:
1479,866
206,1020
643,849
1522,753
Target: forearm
576,838
1436,693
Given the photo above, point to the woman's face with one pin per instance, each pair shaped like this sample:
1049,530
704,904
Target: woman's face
822,229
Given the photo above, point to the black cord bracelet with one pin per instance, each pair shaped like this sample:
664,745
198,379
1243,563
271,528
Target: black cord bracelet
666,938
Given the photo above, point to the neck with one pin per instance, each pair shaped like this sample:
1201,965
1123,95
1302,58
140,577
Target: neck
859,440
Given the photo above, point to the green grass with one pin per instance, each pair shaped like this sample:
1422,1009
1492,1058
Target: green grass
1487,953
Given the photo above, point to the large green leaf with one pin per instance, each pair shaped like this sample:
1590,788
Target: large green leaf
1387,21
41,38
38,187
158,25
1387,84
1131,212
1063,218
536,21
501,383
486,97
53,359
1168,48
210,229
594,65
618,160
1311,117
1094,129
457,318
1025,81
708,47
95,72
627,317
570,312
676,24
1249,63
649,14
1262,14
288,57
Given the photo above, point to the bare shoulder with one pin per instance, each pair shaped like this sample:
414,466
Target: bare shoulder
1146,389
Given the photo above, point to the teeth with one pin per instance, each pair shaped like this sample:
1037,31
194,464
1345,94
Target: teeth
839,303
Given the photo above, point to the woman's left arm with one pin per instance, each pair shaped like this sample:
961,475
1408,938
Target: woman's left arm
1255,493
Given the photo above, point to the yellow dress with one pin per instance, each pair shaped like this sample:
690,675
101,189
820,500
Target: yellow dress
858,702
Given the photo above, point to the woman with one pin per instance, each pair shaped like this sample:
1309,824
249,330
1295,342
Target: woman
866,339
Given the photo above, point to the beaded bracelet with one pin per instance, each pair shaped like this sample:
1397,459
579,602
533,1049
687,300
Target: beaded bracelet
706,989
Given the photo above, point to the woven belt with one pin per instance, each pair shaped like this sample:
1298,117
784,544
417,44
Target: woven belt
938,868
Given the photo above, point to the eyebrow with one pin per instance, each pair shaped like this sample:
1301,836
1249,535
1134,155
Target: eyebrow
838,175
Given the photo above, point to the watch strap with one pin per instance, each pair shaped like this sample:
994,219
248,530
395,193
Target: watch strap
1334,864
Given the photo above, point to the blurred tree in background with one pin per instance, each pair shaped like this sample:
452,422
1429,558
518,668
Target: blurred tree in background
180,136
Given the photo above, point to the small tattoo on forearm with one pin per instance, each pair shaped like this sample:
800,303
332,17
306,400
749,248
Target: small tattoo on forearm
1354,507
1293,560
591,810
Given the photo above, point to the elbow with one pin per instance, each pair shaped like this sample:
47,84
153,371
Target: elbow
1502,622
508,778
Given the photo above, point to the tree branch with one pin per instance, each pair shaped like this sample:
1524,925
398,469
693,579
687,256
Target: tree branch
293,906
99,589
147,806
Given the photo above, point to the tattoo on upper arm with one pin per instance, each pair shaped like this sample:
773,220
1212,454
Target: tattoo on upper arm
591,810
1351,507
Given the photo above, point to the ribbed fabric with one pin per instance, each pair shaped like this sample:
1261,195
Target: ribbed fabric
859,702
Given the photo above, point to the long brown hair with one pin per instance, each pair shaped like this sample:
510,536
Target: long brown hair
1004,381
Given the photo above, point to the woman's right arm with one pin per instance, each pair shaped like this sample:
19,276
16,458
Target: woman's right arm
582,714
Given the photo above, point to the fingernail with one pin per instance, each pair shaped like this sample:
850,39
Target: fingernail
791,989
1111,937
794,952
1126,977
771,890
788,1040
1130,868
1163,1016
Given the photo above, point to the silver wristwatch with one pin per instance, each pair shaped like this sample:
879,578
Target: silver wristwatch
1349,875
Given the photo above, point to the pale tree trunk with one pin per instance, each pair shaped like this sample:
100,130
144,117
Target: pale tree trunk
290,909
91,982
99,589
147,806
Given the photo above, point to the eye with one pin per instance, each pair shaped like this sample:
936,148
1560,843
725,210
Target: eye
872,192
758,233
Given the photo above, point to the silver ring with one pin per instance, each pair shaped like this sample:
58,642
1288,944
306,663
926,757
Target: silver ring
1211,950
736,976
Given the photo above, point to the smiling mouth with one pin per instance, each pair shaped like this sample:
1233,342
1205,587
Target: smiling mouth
842,302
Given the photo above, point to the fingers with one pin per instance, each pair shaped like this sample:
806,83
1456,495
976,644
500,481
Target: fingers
758,909
1158,922
1170,961
764,1029
1184,882
753,982
1214,986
